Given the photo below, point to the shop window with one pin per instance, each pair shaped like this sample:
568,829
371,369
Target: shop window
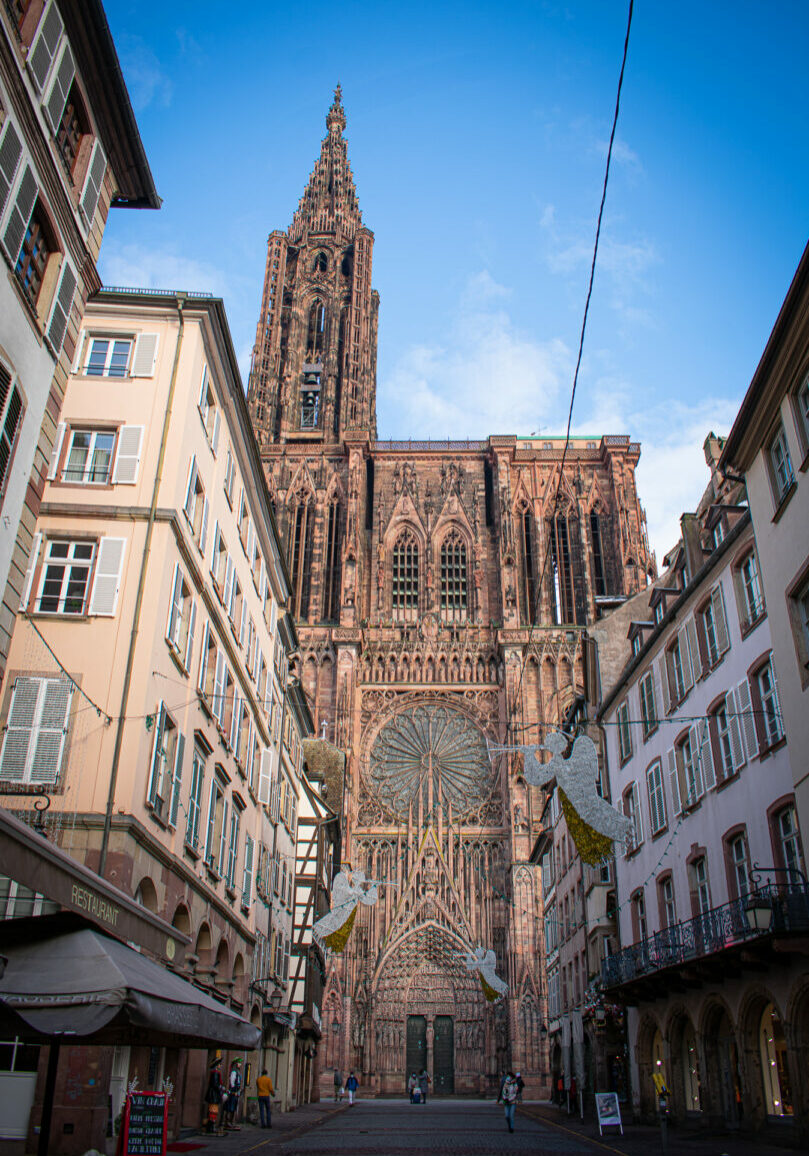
774,1064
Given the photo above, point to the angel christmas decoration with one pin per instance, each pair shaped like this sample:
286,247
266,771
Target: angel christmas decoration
484,963
348,890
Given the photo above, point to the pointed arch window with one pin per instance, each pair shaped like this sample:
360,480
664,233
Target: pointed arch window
321,263
331,593
405,601
453,578
599,581
316,332
527,577
564,609
300,555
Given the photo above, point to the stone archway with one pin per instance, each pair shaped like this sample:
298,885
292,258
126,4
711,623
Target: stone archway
649,1055
755,1003
798,1040
684,1076
722,1085
423,976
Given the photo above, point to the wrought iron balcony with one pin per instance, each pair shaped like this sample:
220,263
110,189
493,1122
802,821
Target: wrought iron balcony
723,931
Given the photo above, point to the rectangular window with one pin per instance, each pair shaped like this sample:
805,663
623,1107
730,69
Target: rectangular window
677,670
65,579
632,812
639,916
802,412
658,612
789,840
233,845
688,760
181,619
247,876
771,711
11,413
33,256
714,626
624,735
216,823
166,771
752,600
208,410
195,506
648,707
657,797
195,798
724,741
668,910
89,457
780,464
230,478
107,356
702,892
36,730
740,870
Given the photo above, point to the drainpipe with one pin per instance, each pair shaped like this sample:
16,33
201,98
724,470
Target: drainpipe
133,638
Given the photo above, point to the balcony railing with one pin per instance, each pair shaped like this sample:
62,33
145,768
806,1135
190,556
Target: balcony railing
717,930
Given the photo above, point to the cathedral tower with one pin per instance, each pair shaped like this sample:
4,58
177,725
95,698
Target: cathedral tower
441,595
313,374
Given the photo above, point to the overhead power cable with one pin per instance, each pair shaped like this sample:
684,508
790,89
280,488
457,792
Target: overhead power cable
540,584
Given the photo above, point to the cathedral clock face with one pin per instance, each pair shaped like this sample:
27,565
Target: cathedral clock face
431,750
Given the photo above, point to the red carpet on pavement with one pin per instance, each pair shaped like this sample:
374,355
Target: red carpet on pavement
183,1146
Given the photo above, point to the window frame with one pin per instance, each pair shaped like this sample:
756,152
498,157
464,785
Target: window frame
624,732
36,729
782,473
94,433
105,366
649,720
66,564
658,808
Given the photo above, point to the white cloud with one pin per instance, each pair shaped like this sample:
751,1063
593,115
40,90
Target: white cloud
145,79
488,377
622,154
144,267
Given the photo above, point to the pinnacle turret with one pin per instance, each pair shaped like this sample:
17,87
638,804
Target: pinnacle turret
329,203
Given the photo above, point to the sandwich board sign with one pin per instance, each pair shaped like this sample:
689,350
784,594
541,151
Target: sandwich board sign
144,1124
609,1111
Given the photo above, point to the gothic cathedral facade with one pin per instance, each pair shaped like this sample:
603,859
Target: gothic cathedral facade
441,597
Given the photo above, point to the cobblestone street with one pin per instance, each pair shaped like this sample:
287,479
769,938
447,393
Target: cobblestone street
390,1127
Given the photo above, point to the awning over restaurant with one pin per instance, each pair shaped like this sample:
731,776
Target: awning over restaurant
69,982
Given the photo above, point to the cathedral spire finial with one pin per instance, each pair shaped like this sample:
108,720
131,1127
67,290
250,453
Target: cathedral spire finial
336,119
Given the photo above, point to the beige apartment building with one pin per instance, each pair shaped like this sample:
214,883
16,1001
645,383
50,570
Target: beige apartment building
69,151
147,687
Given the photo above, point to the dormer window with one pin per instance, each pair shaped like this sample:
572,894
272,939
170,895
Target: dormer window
658,612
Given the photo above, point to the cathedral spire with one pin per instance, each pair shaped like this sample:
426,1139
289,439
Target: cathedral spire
329,204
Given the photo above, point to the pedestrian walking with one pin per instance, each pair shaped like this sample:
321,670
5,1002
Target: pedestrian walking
520,1086
234,1089
412,1084
265,1090
338,1085
424,1084
510,1099
214,1094
351,1087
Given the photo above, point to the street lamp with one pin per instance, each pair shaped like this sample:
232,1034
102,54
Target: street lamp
758,910
275,999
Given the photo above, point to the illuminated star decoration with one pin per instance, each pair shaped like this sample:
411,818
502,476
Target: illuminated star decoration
348,890
593,823
484,963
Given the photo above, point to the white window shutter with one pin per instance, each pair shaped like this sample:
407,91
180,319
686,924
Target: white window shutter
674,781
203,526
175,604
51,731
189,645
20,214
203,657
228,585
56,452
273,615
720,620
265,776
734,731
685,658
235,722
157,752
19,729
243,623
664,683
127,457
706,752
215,433
746,720
189,485
693,646
177,779
215,548
696,755
143,363
10,153
223,840
62,80
93,183
43,50
36,545
218,705
108,576
60,314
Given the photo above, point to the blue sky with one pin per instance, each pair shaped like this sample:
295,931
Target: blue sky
477,135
